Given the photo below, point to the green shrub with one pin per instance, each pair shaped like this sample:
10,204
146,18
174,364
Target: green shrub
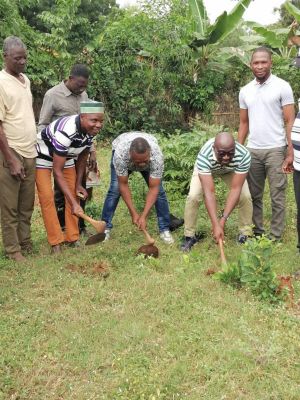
254,271
180,151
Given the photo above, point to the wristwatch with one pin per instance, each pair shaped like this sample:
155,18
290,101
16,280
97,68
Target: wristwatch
225,216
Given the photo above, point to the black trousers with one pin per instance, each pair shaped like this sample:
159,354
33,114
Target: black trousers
59,199
296,179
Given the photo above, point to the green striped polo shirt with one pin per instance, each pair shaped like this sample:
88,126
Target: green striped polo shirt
207,163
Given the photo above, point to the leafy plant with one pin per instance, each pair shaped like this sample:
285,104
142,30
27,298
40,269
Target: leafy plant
180,152
230,274
254,270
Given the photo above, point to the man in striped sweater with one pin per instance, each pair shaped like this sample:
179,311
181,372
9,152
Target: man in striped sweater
58,145
224,157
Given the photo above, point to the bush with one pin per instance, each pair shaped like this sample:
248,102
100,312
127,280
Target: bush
180,151
254,270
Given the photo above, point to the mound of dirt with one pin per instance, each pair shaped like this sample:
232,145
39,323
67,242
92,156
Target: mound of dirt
148,250
98,268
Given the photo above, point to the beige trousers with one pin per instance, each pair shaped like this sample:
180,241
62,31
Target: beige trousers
195,195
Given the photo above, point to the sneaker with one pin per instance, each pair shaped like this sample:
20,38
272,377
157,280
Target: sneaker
175,222
242,239
107,234
188,243
166,237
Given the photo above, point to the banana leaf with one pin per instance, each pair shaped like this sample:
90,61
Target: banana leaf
227,22
198,12
294,11
271,38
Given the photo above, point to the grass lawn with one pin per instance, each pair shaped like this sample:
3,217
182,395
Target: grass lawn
154,329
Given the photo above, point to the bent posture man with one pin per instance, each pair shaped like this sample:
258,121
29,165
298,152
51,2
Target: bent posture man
17,155
137,151
229,160
60,101
58,145
266,105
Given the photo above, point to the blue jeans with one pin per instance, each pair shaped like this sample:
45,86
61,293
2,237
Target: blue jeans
113,196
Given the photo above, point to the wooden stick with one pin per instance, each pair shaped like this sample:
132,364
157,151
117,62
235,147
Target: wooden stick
223,258
98,225
149,239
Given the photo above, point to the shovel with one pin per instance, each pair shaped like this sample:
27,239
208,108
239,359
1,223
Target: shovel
98,225
221,247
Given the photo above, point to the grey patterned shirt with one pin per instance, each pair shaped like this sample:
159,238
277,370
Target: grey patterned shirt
122,162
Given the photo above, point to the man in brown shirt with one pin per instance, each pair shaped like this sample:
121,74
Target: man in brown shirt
60,101
17,150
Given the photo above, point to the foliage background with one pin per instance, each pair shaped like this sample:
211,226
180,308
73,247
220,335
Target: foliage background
143,62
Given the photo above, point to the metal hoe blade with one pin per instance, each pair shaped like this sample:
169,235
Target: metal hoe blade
99,237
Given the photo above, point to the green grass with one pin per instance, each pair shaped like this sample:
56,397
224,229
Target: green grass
154,329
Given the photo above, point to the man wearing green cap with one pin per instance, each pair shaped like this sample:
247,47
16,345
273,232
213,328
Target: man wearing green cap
64,100
64,140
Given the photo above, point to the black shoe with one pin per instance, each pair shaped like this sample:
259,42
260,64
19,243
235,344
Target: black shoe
188,243
274,238
175,222
242,239
257,235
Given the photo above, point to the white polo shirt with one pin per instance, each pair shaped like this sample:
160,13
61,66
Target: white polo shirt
264,103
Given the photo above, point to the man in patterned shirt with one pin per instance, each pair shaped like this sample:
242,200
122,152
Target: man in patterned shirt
64,140
137,151
224,157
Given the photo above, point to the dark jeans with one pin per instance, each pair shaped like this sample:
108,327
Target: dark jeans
113,196
296,179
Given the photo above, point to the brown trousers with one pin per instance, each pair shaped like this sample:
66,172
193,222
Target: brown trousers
16,203
267,163
55,234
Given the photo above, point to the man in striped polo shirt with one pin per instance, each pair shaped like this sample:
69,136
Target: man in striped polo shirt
224,157
296,167
64,140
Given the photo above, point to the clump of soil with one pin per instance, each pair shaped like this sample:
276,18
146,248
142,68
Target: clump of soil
211,271
148,250
98,268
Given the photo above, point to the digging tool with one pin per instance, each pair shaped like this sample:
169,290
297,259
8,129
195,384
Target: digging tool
98,225
99,237
148,250
223,258
149,239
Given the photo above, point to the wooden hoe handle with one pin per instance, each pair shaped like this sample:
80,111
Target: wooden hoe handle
98,225
223,258
149,239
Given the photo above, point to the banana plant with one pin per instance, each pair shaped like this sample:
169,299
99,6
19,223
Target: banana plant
281,41
207,38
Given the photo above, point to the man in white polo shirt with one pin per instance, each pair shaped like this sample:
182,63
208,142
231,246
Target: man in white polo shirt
267,115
